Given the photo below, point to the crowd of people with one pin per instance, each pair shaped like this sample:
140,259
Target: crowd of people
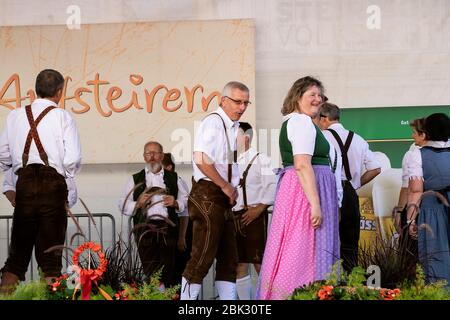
224,217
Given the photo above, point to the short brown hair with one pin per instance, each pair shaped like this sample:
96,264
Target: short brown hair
418,125
297,90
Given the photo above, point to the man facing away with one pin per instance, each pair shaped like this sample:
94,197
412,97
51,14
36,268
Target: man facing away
213,194
156,213
256,193
356,158
40,144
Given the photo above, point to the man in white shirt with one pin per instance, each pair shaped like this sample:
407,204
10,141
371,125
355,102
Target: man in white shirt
155,197
40,144
256,192
356,158
213,194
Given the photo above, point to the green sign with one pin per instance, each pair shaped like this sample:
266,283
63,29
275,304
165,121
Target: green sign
387,129
386,123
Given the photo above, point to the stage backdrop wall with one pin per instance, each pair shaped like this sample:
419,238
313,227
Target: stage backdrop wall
127,83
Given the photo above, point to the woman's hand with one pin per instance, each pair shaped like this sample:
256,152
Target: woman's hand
316,217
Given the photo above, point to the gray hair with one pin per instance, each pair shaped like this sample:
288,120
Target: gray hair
233,85
331,111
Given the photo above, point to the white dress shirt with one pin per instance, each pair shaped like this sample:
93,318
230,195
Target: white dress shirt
360,157
155,180
301,134
260,183
58,135
10,180
211,140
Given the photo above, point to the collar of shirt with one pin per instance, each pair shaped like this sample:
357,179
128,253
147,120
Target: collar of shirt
159,173
39,102
228,122
294,114
336,126
246,156
437,144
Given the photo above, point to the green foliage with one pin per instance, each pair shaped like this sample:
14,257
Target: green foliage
149,290
35,290
352,287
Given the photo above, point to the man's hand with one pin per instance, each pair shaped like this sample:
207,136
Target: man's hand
252,213
169,201
231,192
142,200
11,196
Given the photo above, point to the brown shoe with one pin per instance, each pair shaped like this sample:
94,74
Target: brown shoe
9,283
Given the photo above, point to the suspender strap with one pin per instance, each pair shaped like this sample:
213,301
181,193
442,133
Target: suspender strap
344,151
244,179
229,152
33,134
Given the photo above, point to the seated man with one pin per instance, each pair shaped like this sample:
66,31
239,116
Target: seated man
155,197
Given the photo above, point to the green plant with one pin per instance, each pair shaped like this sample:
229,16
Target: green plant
148,291
396,260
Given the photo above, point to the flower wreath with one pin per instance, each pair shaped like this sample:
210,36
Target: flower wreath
89,275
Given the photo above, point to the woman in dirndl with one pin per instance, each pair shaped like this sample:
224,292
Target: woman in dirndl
303,240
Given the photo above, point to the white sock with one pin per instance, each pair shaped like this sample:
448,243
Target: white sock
244,288
189,291
226,290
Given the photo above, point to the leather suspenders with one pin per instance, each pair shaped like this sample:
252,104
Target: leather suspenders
33,134
242,183
344,150
231,155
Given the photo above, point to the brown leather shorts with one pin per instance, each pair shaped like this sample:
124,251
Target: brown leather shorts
251,239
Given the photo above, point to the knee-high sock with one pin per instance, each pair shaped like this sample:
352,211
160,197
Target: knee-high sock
244,288
189,291
226,290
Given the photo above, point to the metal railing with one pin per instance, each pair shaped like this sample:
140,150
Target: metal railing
95,232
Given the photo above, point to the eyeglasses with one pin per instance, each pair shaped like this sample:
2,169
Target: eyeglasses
152,153
239,102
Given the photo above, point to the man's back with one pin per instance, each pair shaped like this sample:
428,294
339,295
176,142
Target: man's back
360,157
57,132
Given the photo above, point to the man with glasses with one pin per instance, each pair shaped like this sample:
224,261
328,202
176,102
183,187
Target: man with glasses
155,197
213,194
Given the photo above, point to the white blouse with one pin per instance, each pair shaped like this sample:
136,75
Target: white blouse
415,159
301,133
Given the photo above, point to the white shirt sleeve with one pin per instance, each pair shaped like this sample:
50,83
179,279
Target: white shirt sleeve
370,160
415,165
405,171
182,197
9,181
72,195
206,138
72,147
301,134
5,154
129,206
268,179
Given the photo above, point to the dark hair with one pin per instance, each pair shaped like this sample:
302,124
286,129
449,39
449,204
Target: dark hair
168,160
418,125
297,90
247,128
48,82
331,111
437,127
